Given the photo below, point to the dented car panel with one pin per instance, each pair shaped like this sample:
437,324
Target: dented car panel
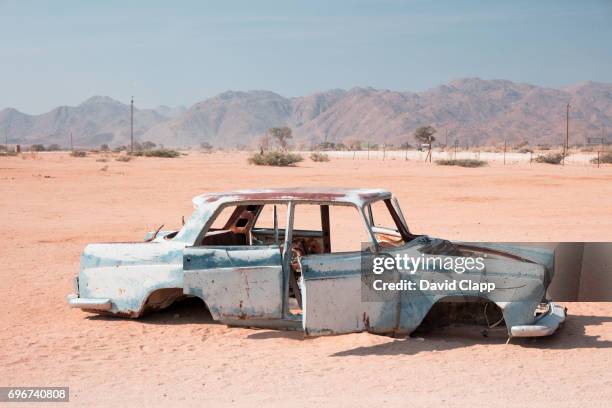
403,311
237,283
290,279
128,274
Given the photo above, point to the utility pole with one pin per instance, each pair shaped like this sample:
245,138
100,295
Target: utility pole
132,126
603,135
566,147
71,146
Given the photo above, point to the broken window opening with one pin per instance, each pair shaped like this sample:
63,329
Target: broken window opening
387,225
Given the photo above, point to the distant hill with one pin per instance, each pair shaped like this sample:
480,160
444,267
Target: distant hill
472,110
98,120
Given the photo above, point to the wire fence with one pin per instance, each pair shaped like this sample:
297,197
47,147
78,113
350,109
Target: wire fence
509,158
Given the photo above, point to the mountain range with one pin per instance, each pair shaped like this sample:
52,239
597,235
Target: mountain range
470,110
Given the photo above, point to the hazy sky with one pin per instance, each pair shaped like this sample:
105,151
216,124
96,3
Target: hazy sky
179,52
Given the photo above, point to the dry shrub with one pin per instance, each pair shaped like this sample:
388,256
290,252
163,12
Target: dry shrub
275,159
78,153
461,162
605,157
550,158
165,153
319,157
124,158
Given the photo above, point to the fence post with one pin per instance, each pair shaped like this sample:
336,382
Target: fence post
598,159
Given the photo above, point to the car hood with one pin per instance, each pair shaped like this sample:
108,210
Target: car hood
537,255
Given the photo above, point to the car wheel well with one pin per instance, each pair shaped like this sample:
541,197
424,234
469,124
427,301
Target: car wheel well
162,298
462,310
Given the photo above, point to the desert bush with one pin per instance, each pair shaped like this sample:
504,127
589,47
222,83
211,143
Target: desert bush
461,162
102,160
54,147
522,145
275,159
149,145
525,150
78,153
550,158
329,146
605,157
319,157
206,147
124,158
165,153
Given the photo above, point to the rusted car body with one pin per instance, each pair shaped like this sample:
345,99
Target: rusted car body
290,278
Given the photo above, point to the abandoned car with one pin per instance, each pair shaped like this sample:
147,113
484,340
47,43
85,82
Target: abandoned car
293,259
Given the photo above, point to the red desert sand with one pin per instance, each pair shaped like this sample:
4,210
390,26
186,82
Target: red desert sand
52,205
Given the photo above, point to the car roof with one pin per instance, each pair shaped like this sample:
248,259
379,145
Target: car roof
356,196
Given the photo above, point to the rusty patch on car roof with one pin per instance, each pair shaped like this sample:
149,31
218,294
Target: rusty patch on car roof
306,194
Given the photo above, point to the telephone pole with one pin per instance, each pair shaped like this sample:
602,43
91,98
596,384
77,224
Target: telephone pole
132,126
71,146
566,146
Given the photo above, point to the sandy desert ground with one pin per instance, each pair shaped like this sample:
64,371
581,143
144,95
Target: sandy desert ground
52,205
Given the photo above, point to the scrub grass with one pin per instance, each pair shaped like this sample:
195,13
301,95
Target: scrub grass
319,157
165,153
550,158
461,162
603,158
275,159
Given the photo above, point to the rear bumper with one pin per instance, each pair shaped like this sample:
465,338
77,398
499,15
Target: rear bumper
90,304
544,326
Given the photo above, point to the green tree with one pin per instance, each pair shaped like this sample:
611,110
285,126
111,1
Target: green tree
282,136
425,134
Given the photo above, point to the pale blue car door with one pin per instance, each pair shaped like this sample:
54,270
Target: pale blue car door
236,282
